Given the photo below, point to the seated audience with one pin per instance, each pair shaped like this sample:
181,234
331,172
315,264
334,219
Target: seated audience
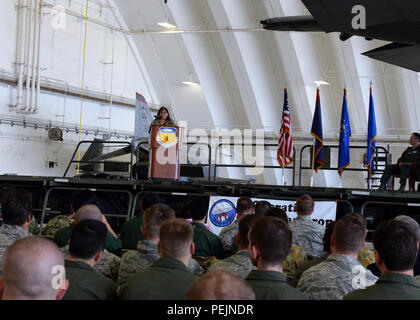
270,240
261,207
326,241
415,226
78,199
220,285
147,251
366,256
86,247
168,278
29,270
16,209
227,235
4,190
113,243
207,244
184,210
396,249
131,230
110,263
335,277
239,264
307,234
297,255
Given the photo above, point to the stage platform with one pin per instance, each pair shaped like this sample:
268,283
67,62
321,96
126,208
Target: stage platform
51,195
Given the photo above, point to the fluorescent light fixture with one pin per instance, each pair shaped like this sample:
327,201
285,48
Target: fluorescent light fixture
189,83
167,25
321,82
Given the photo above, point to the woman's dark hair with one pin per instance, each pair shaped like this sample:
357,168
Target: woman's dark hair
169,115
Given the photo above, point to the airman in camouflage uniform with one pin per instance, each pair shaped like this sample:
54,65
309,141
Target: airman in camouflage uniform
55,224
308,235
8,235
108,266
239,264
294,259
396,246
146,254
335,277
341,273
16,207
244,207
227,236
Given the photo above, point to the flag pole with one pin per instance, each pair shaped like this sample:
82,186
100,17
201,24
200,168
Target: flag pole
313,163
283,151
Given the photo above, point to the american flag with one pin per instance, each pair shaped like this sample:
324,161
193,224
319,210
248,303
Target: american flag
285,153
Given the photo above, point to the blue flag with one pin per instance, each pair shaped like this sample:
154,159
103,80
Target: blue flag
316,132
345,134
371,136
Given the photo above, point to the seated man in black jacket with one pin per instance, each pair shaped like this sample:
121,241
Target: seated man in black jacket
410,156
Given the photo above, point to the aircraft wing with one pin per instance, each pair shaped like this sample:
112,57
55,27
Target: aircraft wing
335,15
388,20
402,55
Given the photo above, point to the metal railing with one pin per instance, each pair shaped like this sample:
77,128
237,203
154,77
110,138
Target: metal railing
47,195
216,165
168,193
181,165
336,168
102,161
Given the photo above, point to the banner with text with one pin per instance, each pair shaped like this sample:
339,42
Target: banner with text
222,211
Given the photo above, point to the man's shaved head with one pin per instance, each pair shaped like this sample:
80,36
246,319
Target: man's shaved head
88,211
29,269
220,285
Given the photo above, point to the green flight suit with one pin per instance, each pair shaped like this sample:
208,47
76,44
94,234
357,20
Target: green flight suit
272,285
165,279
390,286
206,243
62,237
131,233
87,284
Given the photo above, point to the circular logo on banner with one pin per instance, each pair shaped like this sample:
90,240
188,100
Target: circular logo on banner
167,137
222,213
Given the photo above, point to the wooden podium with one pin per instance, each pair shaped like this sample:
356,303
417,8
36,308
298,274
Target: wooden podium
165,152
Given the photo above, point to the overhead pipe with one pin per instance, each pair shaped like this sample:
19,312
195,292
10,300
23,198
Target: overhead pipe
34,43
19,55
38,72
27,54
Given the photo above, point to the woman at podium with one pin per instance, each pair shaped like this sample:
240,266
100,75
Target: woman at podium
163,118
